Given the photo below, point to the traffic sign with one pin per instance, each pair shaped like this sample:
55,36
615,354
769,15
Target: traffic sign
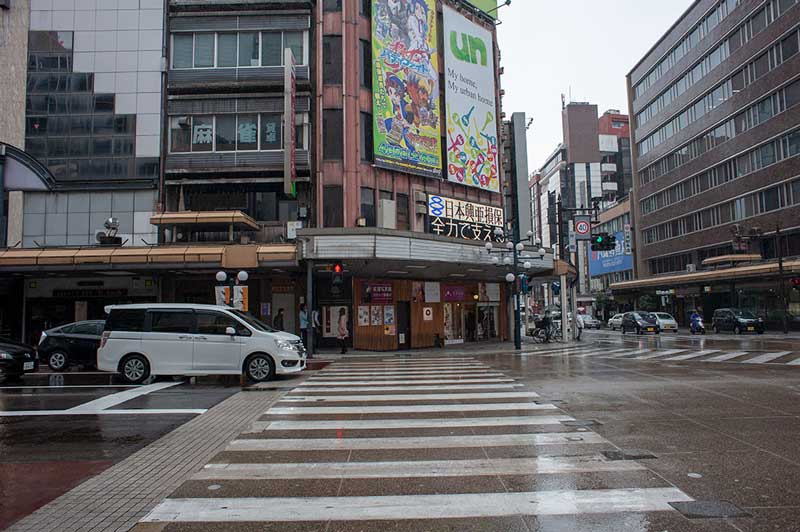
628,239
583,227
572,246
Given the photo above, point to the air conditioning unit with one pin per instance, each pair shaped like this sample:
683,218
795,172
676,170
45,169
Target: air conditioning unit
691,268
387,214
184,121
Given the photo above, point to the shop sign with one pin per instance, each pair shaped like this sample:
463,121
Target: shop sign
611,261
76,293
707,289
453,293
376,292
670,292
282,289
463,219
427,313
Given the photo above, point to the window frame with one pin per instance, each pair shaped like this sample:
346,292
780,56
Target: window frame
302,61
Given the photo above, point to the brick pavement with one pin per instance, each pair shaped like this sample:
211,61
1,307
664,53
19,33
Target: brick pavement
117,498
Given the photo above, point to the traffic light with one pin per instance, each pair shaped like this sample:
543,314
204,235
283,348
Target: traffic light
337,277
603,242
796,283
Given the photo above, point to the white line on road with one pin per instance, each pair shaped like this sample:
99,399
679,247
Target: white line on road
117,398
401,507
633,353
725,356
142,411
336,382
358,424
795,362
60,386
694,354
540,465
409,387
419,442
408,374
404,409
767,357
404,397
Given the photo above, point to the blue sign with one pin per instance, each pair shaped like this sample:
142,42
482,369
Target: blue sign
615,260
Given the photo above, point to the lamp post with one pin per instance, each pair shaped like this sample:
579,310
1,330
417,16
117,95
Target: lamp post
511,258
231,280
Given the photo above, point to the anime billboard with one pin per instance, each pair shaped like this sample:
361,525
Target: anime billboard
470,96
405,86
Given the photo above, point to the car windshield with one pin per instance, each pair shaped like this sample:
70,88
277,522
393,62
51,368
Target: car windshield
746,314
664,315
253,322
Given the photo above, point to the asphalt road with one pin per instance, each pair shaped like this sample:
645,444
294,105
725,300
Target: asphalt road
58,429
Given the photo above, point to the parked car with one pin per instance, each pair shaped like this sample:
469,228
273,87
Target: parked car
184,339
16,359
737,320
666,322
615,322
589,322
640,322
74,343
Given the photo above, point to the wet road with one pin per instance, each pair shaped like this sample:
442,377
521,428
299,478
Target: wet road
57,430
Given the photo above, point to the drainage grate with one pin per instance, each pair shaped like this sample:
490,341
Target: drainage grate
581,423
628,454
708,509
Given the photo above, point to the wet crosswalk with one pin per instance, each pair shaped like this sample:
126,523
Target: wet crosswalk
414,445
613,351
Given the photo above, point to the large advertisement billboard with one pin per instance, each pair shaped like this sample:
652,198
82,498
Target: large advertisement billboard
487,6
405,86
615,260
470,96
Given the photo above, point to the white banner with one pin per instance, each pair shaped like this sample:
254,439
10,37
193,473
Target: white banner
470,96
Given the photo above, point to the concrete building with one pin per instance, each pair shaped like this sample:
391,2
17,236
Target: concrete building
227,136
715,145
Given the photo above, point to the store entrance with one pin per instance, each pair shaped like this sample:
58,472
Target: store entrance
487,322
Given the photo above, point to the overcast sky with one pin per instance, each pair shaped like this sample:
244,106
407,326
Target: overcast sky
587,45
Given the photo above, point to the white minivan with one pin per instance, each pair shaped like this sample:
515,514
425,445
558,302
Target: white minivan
183,339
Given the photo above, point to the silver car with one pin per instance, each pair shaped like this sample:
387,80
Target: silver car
615,322
666,322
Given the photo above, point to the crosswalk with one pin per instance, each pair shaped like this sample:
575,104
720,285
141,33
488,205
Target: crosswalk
398,442
612,351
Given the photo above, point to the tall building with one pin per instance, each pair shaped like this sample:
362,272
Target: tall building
168,141
715,144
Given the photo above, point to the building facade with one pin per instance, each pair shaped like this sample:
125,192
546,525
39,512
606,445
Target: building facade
277,138
714,143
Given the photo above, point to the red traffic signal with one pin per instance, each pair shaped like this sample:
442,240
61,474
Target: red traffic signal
338,268
796,283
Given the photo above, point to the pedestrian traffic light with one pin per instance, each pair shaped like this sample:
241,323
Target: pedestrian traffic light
603,242
796,283
337,277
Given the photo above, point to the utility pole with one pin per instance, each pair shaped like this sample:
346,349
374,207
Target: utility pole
781,287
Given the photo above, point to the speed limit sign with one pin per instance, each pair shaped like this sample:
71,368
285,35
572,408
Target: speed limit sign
583,227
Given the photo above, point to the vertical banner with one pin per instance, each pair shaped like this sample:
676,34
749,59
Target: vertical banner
405,86
241,297
221,295
470,96
289,99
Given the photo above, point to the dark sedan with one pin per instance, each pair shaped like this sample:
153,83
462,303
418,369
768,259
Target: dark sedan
16,359
641,322
75,343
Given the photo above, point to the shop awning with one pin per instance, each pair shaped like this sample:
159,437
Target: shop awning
726,274
731,259
221,218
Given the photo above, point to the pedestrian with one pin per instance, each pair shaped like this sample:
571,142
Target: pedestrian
578,326
303,315
342,332
277,322
546,324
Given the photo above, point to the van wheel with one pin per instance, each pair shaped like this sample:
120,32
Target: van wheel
260,368
135,369
57,360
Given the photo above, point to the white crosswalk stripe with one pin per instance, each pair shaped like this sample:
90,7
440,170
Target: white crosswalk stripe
767,357
726,356
694,354
413,420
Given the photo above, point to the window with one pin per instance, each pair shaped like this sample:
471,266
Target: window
248,49
759,21
247,133
366,137
271,131
90,328
365,8
366,64
225,133
368,205
332,59
769,200
332,5
271,49
203,50
403,220
332,133
294,40
182,50
217,323
202,133
173,321
789,46
332,200
227,44
126,320
784,5
180,136
761,65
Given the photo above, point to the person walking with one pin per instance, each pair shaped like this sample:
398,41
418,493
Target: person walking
341,330
303,315
277,322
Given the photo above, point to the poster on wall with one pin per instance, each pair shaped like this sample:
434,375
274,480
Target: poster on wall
470,95
418,291
432,292
376,315
376,292
330,320
388,315
427,314
363,316
488,292
405,86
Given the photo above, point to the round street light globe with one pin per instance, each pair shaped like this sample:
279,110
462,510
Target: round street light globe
242,276
498,231
221,277
495,260
510,277
488,246
529,233
527,265
520,246
507,260
509,245
542,252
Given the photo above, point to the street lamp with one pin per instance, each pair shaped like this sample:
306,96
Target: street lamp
510,277
231,280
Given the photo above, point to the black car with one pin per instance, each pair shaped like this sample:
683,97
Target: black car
16,359
737,320
74,343
641,322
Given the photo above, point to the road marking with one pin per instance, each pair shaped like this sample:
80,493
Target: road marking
407,375
404,397
137,412
598,352
357,424
402,507
665,352
694,354
403,409
541,465
634,354
767,357
725,356
336,382
418,442
117,398
59,386
376,371
410,387
466,365
795,362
